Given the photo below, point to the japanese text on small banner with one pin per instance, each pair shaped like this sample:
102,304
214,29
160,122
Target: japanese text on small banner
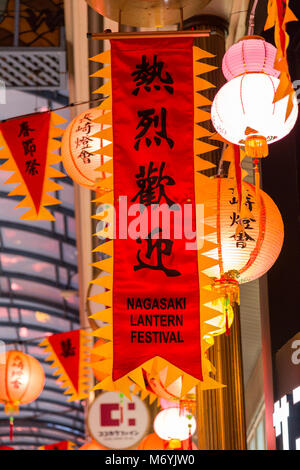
28,145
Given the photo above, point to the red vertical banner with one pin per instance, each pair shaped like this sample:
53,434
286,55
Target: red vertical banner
156,305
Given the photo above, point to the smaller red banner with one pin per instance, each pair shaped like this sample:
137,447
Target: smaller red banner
66,346
27,140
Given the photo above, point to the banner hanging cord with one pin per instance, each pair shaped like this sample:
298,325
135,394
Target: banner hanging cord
20,342
252,19
71,105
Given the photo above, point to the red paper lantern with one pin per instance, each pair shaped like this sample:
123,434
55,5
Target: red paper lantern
22,380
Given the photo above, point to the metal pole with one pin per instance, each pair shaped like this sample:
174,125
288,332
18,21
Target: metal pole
17,23
150,34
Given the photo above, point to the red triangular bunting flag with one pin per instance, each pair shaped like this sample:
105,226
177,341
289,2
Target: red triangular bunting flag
62,445
69,354
27,140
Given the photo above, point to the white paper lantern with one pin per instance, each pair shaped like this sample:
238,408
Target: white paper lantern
79,146
244,107
172,423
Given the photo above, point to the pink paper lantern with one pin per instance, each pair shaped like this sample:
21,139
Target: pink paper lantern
251,54
168,404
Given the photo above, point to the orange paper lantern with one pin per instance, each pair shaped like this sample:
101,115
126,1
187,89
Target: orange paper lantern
154,442
248,241
92,445
22,379
79,144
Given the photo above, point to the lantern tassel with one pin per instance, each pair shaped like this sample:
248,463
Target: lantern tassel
11,428
174,444
226,322
226,303
190,439
257,182
256,146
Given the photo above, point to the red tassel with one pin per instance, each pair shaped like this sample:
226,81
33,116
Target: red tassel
238,174
226,324
11,428
190,439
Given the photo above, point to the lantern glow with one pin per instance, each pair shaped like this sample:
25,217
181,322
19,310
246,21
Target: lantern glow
22,380
173,423
79,146
247,110
247,255
245,107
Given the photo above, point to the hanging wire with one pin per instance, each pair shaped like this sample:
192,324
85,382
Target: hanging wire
220,165
251,24
71,105
20,342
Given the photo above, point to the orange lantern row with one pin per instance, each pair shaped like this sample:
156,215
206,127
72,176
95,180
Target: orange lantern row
22,380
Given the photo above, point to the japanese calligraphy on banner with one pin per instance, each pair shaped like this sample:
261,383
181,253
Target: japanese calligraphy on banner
28,145
69,355
157,303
